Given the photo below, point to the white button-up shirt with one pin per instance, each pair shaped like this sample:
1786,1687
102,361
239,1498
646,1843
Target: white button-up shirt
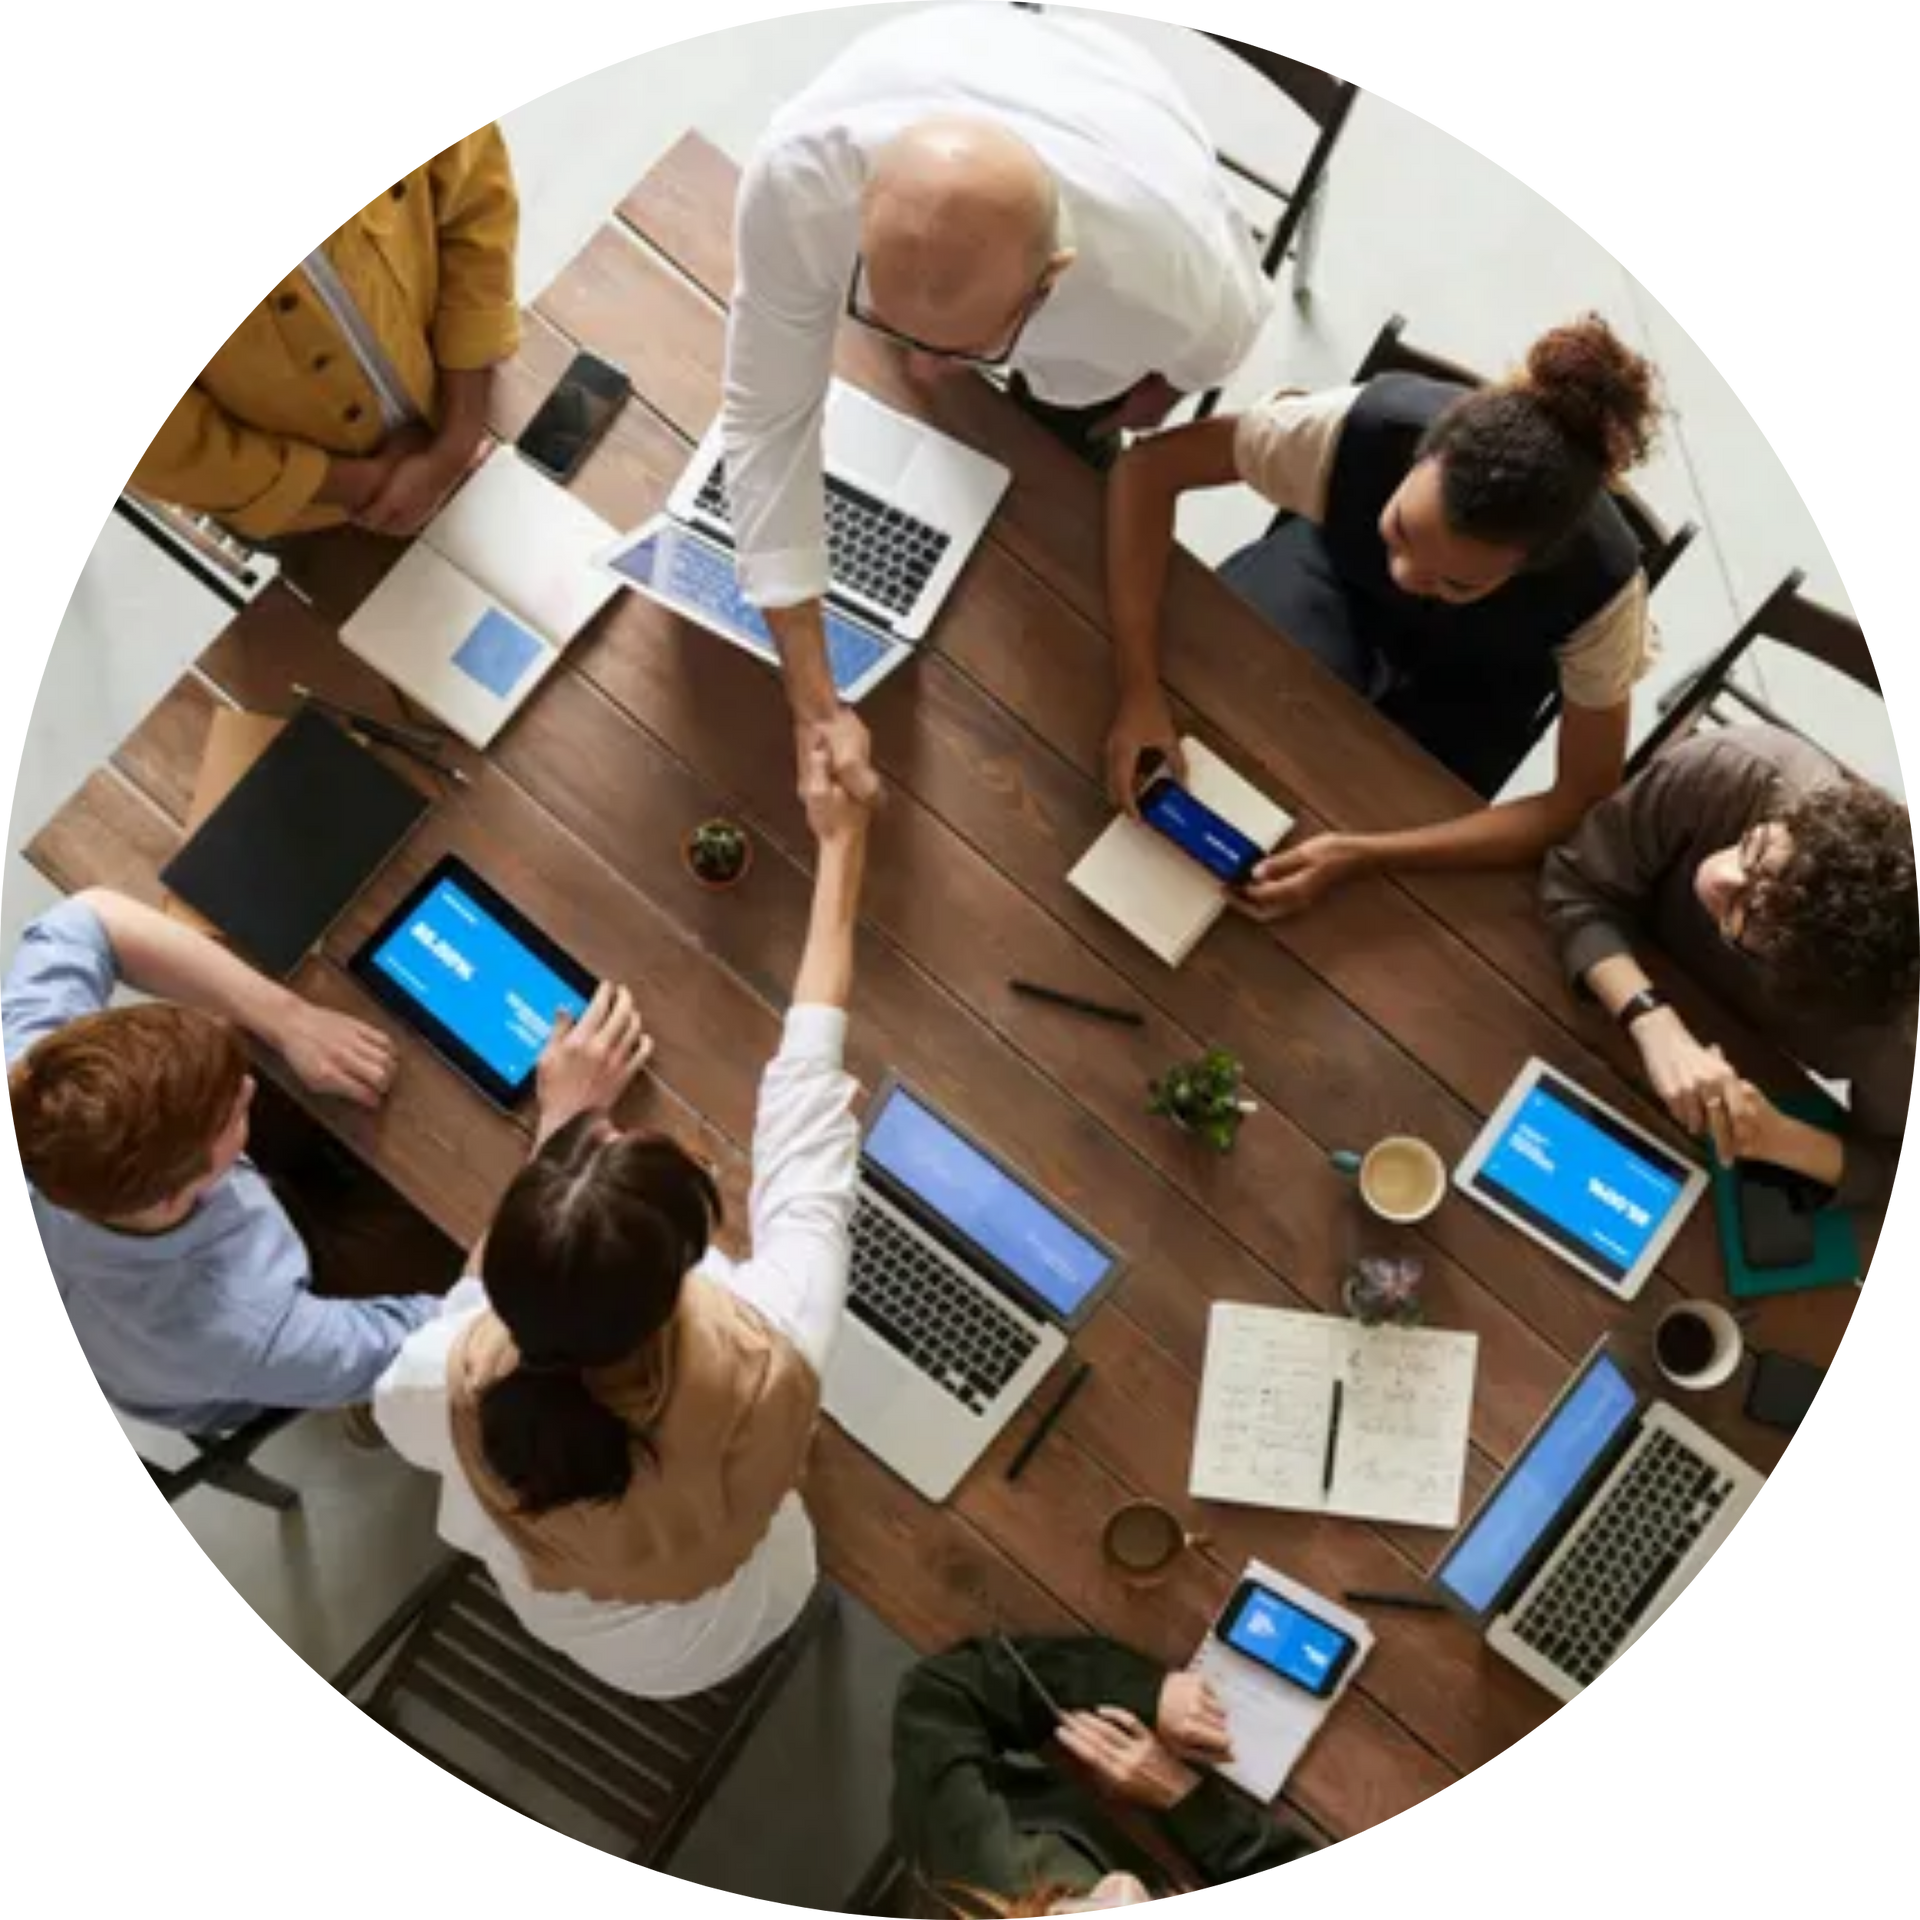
1165,279
806,1153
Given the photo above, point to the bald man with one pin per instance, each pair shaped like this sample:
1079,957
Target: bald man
987,188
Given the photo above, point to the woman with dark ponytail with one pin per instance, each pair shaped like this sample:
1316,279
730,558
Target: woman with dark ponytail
619,1414
1453,554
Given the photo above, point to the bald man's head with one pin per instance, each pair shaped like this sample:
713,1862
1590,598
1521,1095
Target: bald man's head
959,232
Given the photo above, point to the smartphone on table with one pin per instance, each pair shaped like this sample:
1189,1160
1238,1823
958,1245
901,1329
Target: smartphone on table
1282,1636
575,416
1219,846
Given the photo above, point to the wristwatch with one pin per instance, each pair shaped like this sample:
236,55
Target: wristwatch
1647,1000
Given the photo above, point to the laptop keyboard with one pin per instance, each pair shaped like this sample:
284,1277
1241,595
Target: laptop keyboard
1594,1599
874,550
707,579
922,1308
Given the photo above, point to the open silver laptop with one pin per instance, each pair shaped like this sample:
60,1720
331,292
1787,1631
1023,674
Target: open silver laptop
967,1281
1611,1507
905,508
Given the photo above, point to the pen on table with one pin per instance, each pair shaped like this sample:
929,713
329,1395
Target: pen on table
416,742
1123,1016
1049,1420
1333,1437
1407,1602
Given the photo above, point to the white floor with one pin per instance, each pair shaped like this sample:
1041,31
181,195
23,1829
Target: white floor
1416,223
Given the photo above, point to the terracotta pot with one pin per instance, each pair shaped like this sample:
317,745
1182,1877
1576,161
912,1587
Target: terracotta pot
701,879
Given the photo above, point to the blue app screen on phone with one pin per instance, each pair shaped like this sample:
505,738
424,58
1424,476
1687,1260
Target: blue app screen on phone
1223,850
1290,1642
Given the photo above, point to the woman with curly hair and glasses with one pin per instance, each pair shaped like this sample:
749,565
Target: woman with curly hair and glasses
1785,887
1452,554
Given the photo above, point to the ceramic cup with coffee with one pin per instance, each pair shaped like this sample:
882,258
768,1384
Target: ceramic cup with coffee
1143,1539
1402,1180
1697,1345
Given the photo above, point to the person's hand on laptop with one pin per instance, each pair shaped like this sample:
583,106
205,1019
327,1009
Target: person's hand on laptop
1127,1759
1292,880
589,1063
1191,1720
335,1054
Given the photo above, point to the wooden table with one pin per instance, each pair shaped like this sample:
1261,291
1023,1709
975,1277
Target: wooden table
1393,1007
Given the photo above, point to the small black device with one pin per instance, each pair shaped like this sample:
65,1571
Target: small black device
474,977
1777,1210
1782,1389
1282,1636
1219,846
574,416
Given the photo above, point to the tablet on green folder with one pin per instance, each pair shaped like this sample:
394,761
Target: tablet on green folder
1836,1247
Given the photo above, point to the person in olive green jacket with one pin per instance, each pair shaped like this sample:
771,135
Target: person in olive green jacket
985,1822
358,388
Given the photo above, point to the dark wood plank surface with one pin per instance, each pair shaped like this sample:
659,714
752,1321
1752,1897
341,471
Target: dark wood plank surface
1394,1008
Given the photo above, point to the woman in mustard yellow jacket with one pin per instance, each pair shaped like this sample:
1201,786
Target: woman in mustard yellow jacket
357,389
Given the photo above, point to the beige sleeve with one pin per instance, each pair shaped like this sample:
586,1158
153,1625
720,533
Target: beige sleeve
1606,655
1283,447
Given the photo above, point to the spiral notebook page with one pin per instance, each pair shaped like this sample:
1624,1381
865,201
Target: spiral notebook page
1267,1423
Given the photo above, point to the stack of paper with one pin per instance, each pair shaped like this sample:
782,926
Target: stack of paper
1166,899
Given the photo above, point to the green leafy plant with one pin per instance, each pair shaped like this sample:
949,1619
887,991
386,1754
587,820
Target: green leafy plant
1204,1097
1383,1291
718,853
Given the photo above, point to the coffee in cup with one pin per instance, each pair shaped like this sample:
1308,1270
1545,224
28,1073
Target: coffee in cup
1402,1179
1143,1539
1697,1345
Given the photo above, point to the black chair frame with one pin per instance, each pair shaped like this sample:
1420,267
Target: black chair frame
225,1460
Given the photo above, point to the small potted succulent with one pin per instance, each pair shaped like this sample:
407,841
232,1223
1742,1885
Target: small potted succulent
718,854
1384,1291
1204,1097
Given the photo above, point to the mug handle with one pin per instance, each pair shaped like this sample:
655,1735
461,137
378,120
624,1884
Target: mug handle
1343,1161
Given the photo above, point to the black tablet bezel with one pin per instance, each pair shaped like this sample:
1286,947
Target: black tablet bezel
504,1093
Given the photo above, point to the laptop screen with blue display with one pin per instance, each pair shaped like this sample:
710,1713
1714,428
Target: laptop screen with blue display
700,580
1498,1542
950,1177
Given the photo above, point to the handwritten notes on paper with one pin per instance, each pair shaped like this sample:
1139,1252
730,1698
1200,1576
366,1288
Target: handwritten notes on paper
1267,1408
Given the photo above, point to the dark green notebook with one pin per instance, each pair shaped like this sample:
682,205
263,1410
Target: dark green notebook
1836,1247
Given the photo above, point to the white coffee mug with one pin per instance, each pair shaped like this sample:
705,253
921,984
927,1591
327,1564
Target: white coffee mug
1708,1351
1402,1179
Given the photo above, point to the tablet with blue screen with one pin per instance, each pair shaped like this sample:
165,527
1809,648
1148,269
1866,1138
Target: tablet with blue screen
1563,1167
474,977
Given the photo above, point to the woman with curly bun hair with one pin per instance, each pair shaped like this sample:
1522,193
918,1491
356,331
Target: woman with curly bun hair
1453,554
1787,888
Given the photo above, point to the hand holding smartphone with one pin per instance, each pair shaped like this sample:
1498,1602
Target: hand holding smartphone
1200,833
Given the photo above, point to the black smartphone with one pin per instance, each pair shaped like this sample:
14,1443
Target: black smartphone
574,416
1776,1216
1220,847
1286,1639
1782,1389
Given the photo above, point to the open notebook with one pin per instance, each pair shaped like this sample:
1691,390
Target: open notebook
483,604
1267,1426
1164,897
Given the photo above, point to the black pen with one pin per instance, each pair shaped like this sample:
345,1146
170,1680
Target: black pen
415,742
1123,1016
1049,1420
1408,1602
1333,1438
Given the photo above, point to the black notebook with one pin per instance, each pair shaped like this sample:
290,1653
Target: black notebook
304,829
